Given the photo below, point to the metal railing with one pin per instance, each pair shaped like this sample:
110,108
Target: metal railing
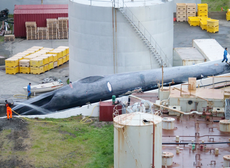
147,35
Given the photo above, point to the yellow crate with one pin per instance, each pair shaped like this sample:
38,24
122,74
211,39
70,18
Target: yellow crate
212,23
66,49
49,56
204,18
59,61
203,6
227,17
203,25
67,57
36,62
46,67
64,59
12,70
201,13
45,59
24,63
194,21
36,70
55,58
29,57
55,64
62,49
58,53
24,70
11,62
212,29
51,65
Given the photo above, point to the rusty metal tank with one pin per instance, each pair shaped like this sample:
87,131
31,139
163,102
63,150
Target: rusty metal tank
134,136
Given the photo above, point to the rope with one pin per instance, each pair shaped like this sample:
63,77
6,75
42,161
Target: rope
88,120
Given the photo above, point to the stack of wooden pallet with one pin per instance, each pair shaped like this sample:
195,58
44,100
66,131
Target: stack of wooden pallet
191,10
42,33
31,30
9,37
181,12
63,28
52,26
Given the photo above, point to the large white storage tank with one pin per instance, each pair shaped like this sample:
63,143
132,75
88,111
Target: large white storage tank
103,42
134,139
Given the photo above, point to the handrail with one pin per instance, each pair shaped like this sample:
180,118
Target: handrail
147,34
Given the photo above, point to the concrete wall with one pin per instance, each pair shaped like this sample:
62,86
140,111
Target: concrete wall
10,3
217,15
98,46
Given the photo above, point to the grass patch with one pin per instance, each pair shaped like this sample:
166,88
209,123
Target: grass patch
1,38
68,143
215,5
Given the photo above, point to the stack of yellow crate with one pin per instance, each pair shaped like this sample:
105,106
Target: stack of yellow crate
194,21
212,26
203,22
65,50
181,12
11,65
37,60
191,10
39,64
202,10
228,15
24,66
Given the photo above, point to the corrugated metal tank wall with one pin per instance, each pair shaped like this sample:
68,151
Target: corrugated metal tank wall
96,48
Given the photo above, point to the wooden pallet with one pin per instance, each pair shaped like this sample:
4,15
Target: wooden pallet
31,33
42,33
63,24
9,37
52,28
63,35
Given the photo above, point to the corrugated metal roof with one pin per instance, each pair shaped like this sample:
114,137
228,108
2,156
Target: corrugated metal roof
40,11
44,6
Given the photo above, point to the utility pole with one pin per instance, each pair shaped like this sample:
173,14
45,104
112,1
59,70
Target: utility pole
41,1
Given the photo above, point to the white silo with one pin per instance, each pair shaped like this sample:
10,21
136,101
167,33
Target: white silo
134,136
102,41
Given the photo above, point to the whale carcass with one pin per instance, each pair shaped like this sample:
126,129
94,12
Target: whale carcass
95,88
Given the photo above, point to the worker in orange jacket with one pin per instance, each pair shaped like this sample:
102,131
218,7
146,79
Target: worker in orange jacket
8,111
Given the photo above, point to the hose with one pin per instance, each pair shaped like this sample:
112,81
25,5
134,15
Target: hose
30,119
21,96
88,120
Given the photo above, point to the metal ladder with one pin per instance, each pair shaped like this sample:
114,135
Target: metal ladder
146,37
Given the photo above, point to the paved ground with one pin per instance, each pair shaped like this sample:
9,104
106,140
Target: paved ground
184,34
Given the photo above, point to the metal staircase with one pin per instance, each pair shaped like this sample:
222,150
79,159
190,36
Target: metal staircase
146,37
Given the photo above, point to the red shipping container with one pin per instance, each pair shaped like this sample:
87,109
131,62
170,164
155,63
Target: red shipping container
106,111
36,13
